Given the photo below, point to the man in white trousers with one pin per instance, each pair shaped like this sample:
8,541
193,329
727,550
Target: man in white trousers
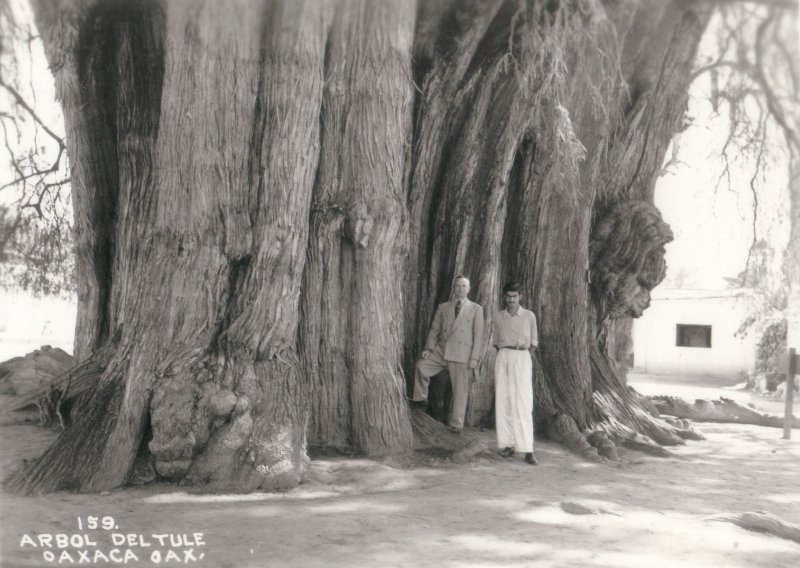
515,338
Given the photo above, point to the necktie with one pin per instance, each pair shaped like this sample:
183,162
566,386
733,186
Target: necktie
458,307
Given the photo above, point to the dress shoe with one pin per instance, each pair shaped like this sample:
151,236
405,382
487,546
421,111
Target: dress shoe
455,429
530,459
507,452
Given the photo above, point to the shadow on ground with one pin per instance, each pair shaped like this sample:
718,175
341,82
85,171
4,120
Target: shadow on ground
643,512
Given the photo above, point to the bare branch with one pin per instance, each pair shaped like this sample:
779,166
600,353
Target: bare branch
21,102
54,167
14,163
36,207
754,189
718,64
719,61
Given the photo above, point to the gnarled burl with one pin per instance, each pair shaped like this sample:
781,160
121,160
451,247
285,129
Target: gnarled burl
627,258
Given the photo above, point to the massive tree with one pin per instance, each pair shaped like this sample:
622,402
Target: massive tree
272,196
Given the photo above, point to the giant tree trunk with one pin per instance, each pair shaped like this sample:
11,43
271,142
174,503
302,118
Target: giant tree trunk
529,129
352,287
272,197
211,113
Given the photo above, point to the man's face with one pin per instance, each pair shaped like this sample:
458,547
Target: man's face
460,288
512,300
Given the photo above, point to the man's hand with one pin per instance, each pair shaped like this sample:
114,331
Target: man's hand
473,363
426,353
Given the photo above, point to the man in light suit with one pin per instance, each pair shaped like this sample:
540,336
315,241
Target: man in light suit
454,342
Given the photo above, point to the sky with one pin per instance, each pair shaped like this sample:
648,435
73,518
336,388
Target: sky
711,214
712,219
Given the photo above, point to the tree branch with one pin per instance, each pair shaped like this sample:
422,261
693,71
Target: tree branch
790,67
21,102
37,172
718,64
754,189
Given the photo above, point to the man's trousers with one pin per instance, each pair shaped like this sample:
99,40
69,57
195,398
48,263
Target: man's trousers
513,406
459,380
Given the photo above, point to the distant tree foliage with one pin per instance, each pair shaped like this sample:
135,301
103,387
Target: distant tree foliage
771,346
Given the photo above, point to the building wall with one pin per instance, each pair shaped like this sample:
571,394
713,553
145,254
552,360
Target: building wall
27,323
654,335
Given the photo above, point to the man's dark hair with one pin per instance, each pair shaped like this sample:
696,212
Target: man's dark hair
512,287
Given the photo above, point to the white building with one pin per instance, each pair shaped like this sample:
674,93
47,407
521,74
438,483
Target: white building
693,332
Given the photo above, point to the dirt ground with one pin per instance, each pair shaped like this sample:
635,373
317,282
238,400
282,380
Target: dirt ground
646,512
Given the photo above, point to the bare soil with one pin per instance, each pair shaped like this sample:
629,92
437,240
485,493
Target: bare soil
644,512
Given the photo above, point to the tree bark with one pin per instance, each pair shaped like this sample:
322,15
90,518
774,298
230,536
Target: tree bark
352,287
566,130
212,210
272,197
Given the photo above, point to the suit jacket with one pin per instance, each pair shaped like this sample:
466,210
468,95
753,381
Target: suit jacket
461,339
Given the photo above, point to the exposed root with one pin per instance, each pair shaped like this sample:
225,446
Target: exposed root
646,445
620,434
663,432
765,522
722,410
605,447
632,421
683,427
432,435
666,430
564,431
72,461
